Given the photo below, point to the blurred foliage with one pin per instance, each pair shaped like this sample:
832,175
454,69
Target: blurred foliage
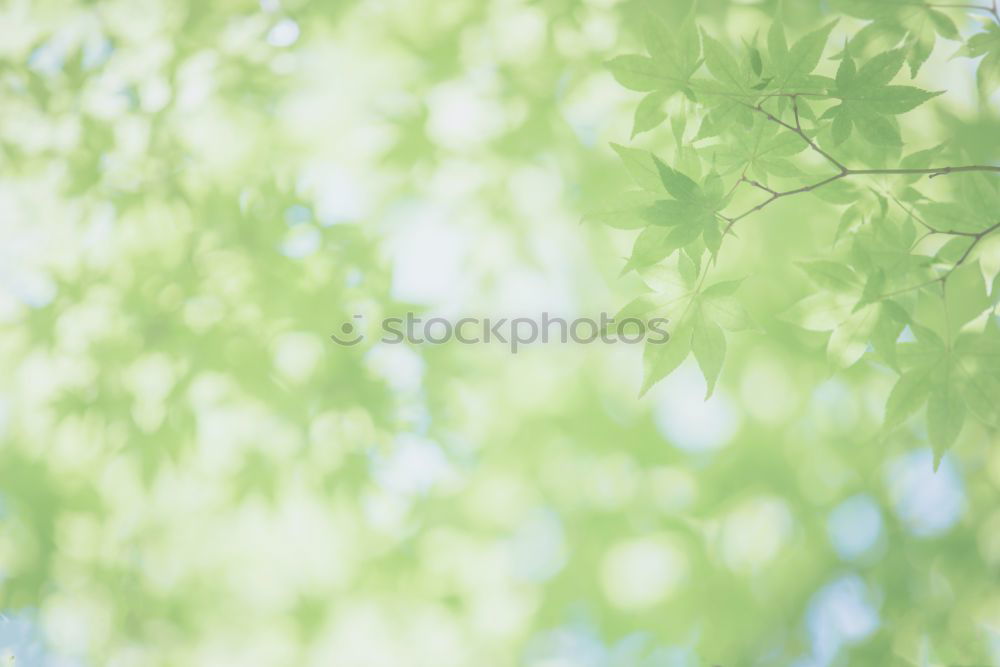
195,195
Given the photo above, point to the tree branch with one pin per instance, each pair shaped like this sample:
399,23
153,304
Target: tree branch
844,171
778,195
930,229
797,129
976,239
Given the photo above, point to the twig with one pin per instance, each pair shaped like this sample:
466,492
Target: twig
976,238
931,230
797,129
844,171
778,195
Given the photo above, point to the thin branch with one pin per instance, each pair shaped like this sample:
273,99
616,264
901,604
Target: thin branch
931,230
913,215
976,239
921,239
778,195
759,186
933,172
797,129
844,171
741,179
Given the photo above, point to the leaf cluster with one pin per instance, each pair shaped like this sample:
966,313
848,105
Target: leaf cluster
910,280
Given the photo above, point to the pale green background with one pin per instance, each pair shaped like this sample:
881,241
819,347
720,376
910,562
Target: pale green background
193,195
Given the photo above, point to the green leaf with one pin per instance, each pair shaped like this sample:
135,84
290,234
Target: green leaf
722,65
649,113
677,184
881,131
832,275
930,312
723,289
673,279
824,311
777,45
792,69
876,37
640,167
982,43
890,100
977,370
681,235
874,287
688,269
981,194
895,311
952,217
886,334
866,98
652,245
639,73
714,191
760,151
756,62
850,340
626,212
670,212
919,160
916,24
660,360
675,51
945,417
708,344
725,310
952,251
640,307
842,126
988,74
879,71
943,24
909,393
712,236
865,9
965,296
982,395
893,100
846,72
985,44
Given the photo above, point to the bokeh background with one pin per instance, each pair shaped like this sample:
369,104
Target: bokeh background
194,195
